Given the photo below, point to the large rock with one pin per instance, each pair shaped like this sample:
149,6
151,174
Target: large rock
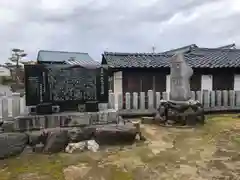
8,126
57,141
180,79
12,144
116,133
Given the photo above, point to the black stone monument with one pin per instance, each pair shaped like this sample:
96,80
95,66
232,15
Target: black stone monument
71,88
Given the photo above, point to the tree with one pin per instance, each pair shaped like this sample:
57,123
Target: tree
17,55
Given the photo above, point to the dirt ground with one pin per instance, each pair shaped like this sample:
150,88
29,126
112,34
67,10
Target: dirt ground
203,153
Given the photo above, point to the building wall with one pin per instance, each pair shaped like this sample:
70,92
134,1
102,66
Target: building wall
141,80
4,72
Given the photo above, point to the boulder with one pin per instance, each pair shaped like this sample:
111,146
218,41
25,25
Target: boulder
56,141
8,126
116,133
12,144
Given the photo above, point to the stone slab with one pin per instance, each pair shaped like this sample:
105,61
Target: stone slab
66,119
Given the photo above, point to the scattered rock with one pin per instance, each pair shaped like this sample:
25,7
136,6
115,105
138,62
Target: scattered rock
75,146
90,145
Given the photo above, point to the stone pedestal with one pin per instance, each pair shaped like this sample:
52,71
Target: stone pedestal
188,113
66,119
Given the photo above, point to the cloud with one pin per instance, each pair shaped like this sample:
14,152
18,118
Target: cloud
127,26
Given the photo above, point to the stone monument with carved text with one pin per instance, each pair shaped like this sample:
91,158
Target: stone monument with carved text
180,79
180,109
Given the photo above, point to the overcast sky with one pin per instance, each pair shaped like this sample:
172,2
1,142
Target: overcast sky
95,26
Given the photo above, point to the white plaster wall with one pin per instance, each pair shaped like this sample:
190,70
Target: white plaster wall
4,71
237,82
207,82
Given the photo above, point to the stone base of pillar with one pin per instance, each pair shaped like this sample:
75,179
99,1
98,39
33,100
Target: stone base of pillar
189,113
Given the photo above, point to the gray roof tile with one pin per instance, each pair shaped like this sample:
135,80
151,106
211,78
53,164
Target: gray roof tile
196,57
72,58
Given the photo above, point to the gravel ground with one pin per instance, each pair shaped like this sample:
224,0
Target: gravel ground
203,153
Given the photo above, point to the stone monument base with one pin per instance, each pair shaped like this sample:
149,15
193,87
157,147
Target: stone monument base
188,113
65,119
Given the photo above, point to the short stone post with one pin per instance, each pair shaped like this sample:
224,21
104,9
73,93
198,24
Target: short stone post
135,100
15,104
150,99
232,98
213,98
5,113
142,100
128,100
111,100
158,98
225,98
120,100
206,99
219,98
237,98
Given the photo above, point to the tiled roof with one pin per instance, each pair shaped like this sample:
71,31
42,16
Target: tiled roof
196,57
72,58
229,46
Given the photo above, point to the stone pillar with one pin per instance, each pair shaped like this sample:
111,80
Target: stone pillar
206,98
237,98
4,109
117,85
128,100
15,104
232,98
150,99
213,98
219,98
111,100
135,100
119,100
158,98
142,100
225,98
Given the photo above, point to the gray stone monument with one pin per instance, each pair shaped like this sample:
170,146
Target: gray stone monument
180,79
180,109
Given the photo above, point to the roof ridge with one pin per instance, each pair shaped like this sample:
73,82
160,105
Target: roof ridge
182,48
61,51
129,53
228,46
217,49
